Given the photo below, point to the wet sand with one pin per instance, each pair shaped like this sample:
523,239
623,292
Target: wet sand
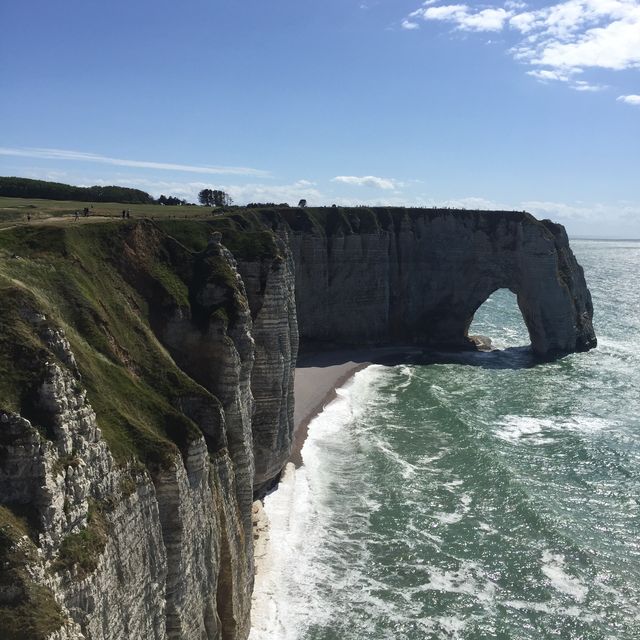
318,375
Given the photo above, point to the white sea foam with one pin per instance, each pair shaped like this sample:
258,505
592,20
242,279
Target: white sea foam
286,600
540,431
453,484
553,566
448,518
465,500
451,624
515,429
487,528
551,608
407,372
407,470
469,579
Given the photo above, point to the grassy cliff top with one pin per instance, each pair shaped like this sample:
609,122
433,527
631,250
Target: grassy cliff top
331,219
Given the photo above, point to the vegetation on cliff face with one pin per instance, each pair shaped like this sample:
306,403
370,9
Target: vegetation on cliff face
28,611
80,552
108,287
244,234
22,352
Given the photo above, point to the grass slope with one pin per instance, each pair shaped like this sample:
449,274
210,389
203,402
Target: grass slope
105,285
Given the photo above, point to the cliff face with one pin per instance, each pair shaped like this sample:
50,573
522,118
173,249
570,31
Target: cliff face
146,388
418,276
126,460
271,291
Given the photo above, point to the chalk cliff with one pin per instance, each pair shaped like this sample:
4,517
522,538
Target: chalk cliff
146,388
418,276
126,461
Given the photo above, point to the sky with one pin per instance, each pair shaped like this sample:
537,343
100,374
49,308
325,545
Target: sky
530,106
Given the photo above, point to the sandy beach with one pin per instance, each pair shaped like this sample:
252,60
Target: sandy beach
318,375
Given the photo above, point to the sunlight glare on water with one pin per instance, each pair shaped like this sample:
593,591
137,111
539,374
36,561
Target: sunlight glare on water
477,498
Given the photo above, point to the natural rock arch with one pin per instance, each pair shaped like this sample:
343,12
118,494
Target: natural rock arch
418,276
508,315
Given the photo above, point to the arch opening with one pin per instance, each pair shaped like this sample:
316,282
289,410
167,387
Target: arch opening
498,323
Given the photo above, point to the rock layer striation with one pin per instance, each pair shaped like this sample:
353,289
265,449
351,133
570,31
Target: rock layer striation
418,276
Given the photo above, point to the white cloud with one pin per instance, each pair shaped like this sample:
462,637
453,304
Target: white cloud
583,85
409,25
549,74
80,156
610,218
631,99
484,20
514,4
368,181
562,211
559,40
291,193
614,45
448,12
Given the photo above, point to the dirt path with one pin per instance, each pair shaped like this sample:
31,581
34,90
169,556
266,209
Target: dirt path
59,221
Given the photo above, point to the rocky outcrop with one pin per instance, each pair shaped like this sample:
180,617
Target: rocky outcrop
418,276
96,526
270,286
214,346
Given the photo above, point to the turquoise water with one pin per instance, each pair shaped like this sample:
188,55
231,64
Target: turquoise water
479,497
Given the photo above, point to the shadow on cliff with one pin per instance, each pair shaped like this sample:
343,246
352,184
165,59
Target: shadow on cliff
510,358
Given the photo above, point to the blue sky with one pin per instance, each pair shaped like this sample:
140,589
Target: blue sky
528,106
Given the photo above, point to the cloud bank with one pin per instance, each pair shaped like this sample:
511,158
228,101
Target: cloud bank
559,41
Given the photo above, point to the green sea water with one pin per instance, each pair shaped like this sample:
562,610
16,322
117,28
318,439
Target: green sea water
480,496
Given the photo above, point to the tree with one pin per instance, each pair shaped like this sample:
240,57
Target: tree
25,188
302,204
205,197
171,201
221,198
214,198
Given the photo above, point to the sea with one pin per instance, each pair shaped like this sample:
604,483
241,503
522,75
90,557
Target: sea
475,496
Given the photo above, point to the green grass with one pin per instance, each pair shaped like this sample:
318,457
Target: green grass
31,612
13,210
107,286
81,551
242,233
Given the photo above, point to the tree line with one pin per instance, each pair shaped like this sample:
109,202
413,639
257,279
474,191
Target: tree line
12,187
